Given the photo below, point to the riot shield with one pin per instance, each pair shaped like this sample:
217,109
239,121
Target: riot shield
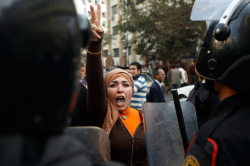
95,140
163,137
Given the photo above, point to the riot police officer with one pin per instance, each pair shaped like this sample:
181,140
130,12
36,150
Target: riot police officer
223,59
40,43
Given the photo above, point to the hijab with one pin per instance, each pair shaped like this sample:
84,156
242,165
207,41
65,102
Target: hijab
112,113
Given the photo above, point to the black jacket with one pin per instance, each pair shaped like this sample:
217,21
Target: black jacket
156,93
80,116
224,138
204,101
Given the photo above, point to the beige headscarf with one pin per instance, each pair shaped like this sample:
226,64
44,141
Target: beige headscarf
112,113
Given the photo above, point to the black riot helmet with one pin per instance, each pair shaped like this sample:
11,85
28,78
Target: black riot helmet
224,53
40,43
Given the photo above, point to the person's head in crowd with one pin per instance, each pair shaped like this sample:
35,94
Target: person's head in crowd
193,63
82,71
160,75
135,69
119,86
47,55
156,64
177,66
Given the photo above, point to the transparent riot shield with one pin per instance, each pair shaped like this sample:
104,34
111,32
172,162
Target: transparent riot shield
95,140
163,137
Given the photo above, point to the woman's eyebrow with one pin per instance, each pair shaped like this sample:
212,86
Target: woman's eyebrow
117,81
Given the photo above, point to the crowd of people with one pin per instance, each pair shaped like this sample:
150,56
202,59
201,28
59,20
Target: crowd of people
42,42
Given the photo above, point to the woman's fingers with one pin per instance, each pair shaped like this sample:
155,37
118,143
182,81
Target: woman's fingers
99,30
96,34
98,15
93,17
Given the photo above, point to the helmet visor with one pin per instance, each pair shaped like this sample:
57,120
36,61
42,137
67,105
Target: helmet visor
209,10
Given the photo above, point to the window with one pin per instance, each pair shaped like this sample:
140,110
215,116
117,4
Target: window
115,30
102,2
103,15
114,9
116,52
103,24
129,50
96,2
105,53
83,1
89,13
89,1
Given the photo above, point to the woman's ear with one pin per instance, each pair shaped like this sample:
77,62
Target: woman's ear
106,93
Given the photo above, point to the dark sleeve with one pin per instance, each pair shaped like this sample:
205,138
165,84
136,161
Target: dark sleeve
96,101
191,96
153,95
86,119
80,116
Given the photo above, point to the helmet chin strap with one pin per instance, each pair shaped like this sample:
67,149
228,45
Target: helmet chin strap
203,76
209,85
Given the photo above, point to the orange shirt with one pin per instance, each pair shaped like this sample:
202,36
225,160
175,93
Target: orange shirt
133,119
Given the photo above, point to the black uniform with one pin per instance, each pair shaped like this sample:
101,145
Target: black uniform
225,138
222,58
204,101
80,116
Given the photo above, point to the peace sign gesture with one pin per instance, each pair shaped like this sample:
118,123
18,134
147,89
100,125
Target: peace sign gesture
97,30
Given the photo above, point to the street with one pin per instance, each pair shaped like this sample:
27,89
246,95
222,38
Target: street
168,97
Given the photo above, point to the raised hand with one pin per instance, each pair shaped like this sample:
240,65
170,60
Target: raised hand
97,30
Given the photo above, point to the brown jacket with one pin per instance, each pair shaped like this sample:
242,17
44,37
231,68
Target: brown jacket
127,149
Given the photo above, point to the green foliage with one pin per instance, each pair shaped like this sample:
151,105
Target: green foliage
163,28
107,39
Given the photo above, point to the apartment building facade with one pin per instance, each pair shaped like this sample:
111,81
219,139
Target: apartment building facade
117,53
83,7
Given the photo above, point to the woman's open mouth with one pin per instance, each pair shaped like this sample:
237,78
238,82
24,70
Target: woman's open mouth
120,101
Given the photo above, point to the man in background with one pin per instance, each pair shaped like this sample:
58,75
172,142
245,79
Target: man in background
192,74
156,93
140,86
169,77
83,75
80,116
176,77
184,80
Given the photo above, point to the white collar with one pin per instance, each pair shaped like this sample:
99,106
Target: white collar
158,82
